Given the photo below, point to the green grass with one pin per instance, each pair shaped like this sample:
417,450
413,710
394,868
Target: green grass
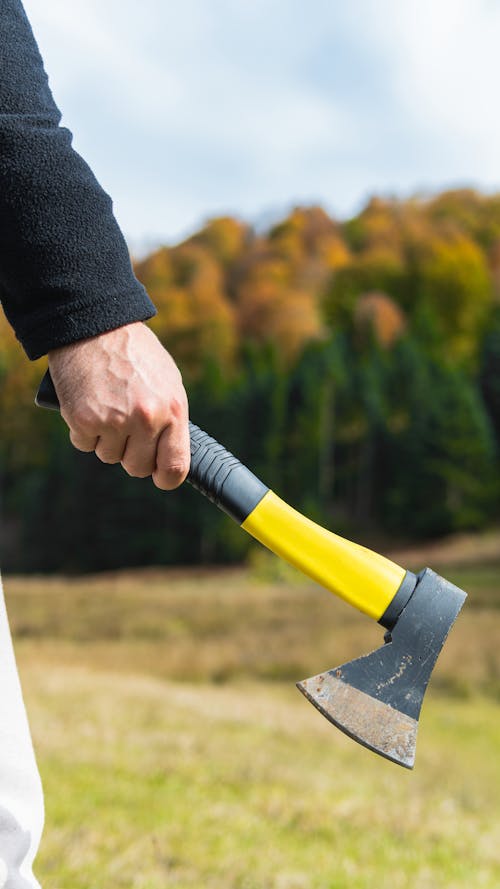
175,754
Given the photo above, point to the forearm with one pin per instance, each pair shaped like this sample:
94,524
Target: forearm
65,272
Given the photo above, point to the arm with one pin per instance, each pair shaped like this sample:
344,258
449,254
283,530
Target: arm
67,285
65,272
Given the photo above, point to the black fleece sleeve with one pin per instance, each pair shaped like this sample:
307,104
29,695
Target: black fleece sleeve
65,272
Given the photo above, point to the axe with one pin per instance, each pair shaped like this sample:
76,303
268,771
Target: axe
375,699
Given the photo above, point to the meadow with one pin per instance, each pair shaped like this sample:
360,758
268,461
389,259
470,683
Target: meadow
176,752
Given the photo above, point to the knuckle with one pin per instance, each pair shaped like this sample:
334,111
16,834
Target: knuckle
83,418
81,445
149,413
136,471
177,406
117,419
107,457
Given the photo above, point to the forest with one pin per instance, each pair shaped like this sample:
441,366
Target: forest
353,365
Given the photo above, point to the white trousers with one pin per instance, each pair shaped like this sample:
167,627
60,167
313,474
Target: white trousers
21,795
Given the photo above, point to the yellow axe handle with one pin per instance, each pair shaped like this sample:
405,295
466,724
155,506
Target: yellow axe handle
366,580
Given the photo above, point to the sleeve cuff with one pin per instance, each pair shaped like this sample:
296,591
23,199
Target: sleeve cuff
80,321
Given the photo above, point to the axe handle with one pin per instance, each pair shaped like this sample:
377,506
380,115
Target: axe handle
365,579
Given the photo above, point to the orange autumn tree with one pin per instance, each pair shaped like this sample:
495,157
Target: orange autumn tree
195,319
280,281
272,308
377,314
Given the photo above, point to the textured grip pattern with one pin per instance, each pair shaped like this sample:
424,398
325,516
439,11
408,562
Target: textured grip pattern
211,464
220,476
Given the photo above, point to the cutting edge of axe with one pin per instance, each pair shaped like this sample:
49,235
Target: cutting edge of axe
375,699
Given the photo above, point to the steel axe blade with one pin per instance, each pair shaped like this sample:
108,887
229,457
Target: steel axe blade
376,699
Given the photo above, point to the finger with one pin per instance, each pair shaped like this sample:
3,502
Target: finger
83,442
173,456
111,446
139,457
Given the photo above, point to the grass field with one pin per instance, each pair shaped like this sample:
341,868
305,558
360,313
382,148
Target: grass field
176,752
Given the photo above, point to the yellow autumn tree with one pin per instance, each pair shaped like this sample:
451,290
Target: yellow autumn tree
468,211
224,237
454,282
312,243
379,225
195,318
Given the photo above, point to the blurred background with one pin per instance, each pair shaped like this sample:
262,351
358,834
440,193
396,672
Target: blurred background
311,196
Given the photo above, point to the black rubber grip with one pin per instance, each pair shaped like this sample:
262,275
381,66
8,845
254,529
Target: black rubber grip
222,478
214,472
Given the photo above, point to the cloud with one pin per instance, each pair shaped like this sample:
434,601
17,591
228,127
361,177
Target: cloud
99,47
188,109
445,70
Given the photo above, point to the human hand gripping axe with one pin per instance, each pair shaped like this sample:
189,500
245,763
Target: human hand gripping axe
375,699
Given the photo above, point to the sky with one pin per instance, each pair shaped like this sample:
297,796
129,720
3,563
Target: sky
189,109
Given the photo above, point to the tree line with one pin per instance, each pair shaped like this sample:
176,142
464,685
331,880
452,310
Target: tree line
354,366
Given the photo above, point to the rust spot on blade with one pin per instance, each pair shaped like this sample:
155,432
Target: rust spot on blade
372,723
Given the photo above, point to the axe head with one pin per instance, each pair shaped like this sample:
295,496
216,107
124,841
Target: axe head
376,699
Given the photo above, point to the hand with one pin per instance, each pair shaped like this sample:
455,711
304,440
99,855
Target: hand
121,395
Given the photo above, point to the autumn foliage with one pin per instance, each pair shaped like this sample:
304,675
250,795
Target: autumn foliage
355,364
